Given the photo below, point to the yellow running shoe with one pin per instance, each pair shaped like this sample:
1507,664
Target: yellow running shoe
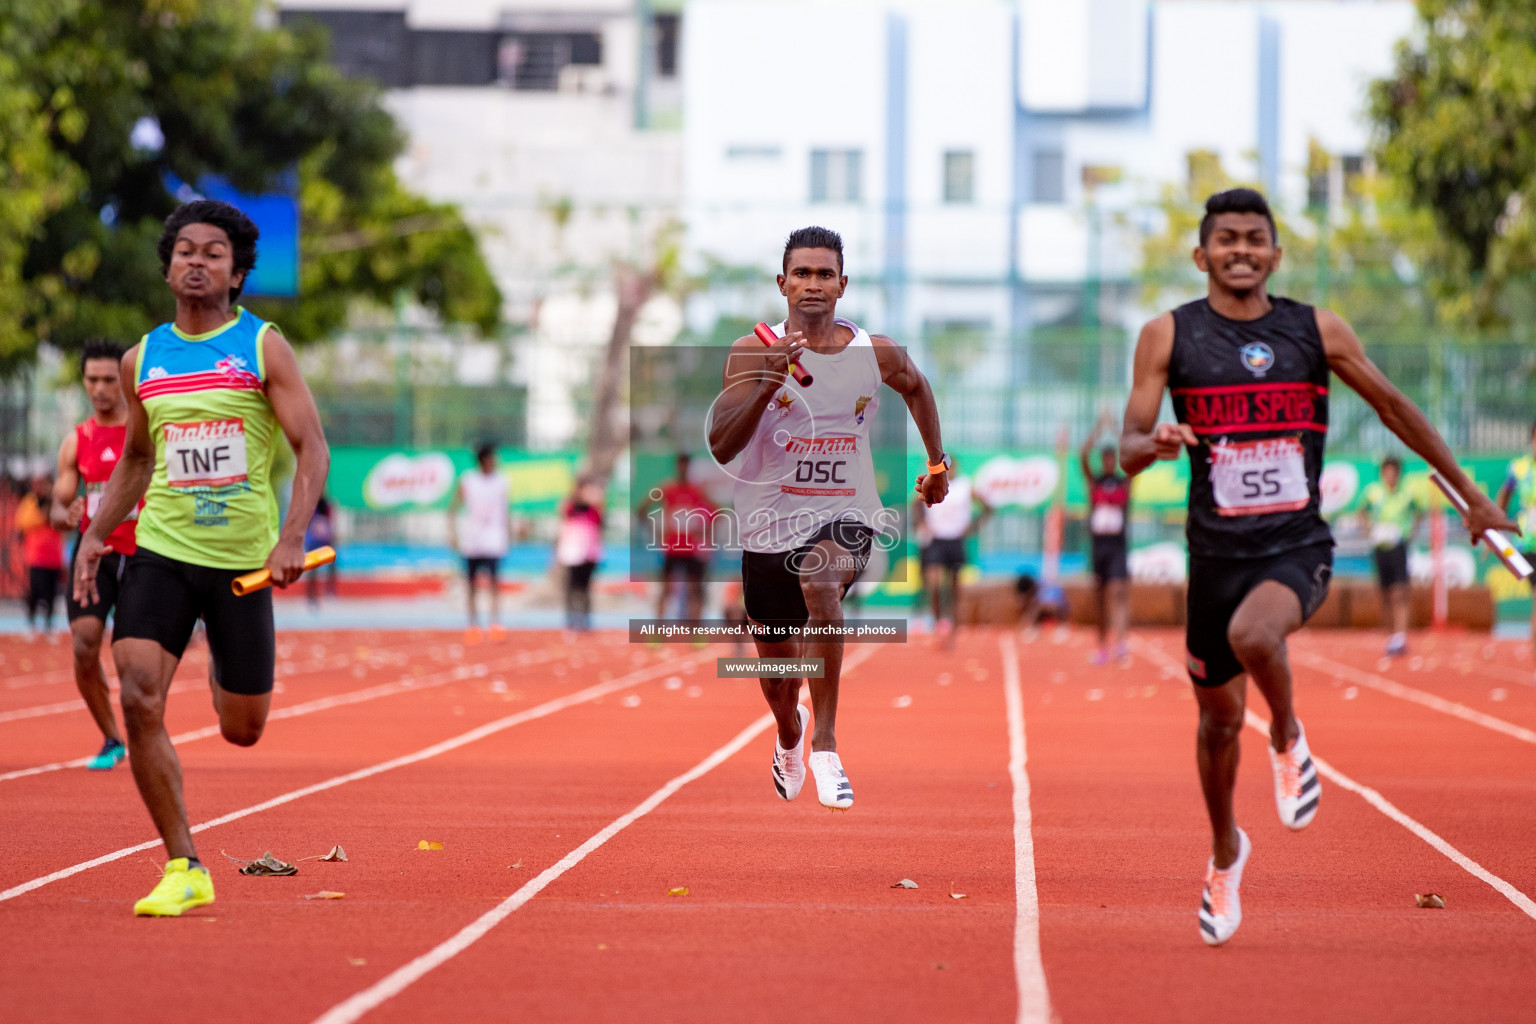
182,888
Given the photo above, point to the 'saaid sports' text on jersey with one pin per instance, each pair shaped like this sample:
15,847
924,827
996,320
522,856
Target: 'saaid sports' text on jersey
1255,393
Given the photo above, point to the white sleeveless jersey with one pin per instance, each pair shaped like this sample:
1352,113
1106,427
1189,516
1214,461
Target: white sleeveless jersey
951,518
808,462
484,522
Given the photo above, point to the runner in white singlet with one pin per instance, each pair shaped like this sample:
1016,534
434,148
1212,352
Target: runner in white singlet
942,531
806,502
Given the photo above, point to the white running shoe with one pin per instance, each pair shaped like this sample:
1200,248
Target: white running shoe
832,786
1220,909
788,766
1296,787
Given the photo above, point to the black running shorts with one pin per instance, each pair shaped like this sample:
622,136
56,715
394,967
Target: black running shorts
1110,562
1392,565
109,581
945,552
162,599
474,565
771,580
692,567
1218,585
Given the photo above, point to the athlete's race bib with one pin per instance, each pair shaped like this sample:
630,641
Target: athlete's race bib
1255,477
93,493
207,454
1106,520
823,465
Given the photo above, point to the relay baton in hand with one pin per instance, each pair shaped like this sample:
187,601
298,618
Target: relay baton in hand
767,337
1499,544
261,579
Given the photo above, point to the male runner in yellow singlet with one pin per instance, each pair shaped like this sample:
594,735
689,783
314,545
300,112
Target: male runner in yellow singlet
207,394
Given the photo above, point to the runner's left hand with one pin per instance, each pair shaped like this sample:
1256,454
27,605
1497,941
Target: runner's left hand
933,487
1483,514
286,562
87,558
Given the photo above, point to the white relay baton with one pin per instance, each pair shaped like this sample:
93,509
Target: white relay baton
1513,560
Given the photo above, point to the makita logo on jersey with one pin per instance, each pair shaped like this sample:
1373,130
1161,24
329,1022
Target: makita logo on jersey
214,430
843,445
1256,453
1253,406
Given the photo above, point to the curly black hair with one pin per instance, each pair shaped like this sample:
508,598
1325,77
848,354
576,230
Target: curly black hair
1236,200
100,348
242,232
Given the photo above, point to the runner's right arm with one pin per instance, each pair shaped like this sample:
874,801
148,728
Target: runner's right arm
130,479
67,506
752,374
1143,440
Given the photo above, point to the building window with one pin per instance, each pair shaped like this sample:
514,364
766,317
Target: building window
836,175
960,176
533,60
667,26
1050,176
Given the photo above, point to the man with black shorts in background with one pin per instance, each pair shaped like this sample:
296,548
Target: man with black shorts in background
1109,508
806,501
683,527
1391,513
207,395
480,526
87,457
944,527
1249,376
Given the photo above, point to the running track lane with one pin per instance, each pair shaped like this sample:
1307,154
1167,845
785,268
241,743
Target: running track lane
1330,930
790,909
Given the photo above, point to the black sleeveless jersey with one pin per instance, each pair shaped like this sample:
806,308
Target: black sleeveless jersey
1256,394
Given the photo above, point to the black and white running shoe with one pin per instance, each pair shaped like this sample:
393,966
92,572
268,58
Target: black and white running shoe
1221,911
1296,787
788,766
832,786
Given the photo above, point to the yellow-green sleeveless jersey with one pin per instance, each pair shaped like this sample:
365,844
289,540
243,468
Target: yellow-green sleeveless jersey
211,500
1391,513
1522,484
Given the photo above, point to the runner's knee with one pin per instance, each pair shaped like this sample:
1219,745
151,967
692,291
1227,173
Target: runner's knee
243,733
824,600
143,701
1254,643
1221,725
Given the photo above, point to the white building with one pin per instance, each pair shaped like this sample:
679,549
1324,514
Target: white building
554,126
957,143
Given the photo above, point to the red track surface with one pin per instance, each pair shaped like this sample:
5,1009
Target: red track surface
790,910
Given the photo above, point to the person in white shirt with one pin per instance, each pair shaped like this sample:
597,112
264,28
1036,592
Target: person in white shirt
480,526
942,530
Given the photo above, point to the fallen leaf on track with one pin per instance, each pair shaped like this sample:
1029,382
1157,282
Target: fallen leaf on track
357,961
337,853
324,894
266,864
517,865
429,844
905,883
1430,901
957,895
681,890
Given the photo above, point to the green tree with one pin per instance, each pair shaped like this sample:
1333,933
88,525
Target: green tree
1457,120
229,97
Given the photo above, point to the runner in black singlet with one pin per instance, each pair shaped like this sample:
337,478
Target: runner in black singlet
1249,377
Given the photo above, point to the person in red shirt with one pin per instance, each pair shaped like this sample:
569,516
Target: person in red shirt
42,552
684,534
86,460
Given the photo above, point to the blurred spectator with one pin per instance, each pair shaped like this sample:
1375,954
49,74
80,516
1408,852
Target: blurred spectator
685,514
578,549
479,525
42,552
320,533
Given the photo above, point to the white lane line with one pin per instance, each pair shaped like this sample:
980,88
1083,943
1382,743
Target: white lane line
1386,807
66,706
401,978
406,684
1029,970
489,729
1382,684
398,980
